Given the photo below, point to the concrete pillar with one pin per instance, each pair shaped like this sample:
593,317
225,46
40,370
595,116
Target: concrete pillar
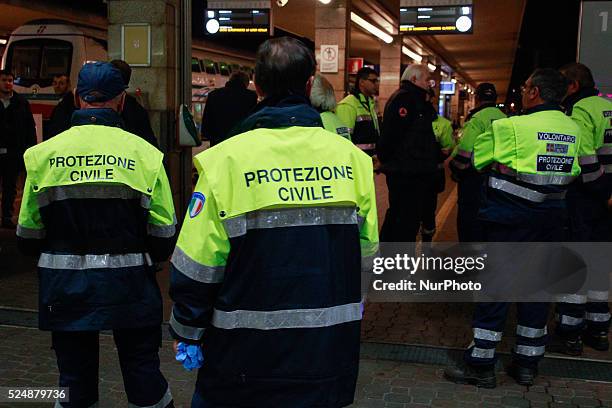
390,66
161,82
333,26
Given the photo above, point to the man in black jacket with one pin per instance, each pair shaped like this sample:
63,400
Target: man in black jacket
62,113
409,155
226,107
135,117
17,133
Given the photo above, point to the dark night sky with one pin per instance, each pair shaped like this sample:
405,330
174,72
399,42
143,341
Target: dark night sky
548,38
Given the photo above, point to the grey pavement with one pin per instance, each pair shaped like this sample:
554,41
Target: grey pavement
26,359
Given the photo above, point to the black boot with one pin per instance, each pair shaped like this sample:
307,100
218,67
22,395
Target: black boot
522,375
569,345
597,340
468,374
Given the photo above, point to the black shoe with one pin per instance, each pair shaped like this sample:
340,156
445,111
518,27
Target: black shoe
483,377
571,346
598,341
8,224
522,375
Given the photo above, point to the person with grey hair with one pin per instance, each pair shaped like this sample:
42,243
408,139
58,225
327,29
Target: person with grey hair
408,152
530,160
323,99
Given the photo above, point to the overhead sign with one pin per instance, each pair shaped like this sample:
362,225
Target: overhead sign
447,88
456,18
354,65
595,42
329,58
238,16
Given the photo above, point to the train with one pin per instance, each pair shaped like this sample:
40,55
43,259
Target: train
40,49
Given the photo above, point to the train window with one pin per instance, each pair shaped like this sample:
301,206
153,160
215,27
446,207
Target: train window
210,67
195,65
36,61
235,68
224,69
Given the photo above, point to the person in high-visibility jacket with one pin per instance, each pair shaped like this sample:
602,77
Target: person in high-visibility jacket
443,131
97,208
358,111
265,275
323,99
532,159
586,317
470,182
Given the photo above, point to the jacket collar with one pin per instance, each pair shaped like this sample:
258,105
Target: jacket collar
543,107
572,99
412,88
103,117
280,112
478,109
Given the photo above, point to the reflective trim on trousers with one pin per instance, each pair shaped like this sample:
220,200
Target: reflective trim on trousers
569,320
598,295
536,179
290,217
30,233
484,334
597,317
195,270
287,319
163,402
590,159
187,332
363,118
523,192
529,351
80,262
483,353
95,191
531,332
572,298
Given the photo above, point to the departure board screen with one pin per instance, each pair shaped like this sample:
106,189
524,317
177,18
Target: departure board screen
437,20
244,17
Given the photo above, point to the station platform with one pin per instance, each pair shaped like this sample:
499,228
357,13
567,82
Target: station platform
404,346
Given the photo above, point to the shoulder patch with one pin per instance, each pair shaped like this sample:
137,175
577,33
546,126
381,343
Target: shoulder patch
196,205
403,112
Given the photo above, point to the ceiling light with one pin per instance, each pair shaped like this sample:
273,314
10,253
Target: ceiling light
325,1
372,29
431,66
412,54
453,80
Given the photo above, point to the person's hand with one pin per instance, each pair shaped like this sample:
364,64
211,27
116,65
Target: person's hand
190,355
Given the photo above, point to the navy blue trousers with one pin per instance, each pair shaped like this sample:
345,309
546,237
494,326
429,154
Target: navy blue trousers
78,361
589,221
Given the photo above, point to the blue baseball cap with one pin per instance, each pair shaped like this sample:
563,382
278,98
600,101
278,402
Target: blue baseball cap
99,82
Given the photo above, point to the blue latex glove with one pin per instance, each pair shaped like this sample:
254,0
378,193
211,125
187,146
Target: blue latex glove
190,355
